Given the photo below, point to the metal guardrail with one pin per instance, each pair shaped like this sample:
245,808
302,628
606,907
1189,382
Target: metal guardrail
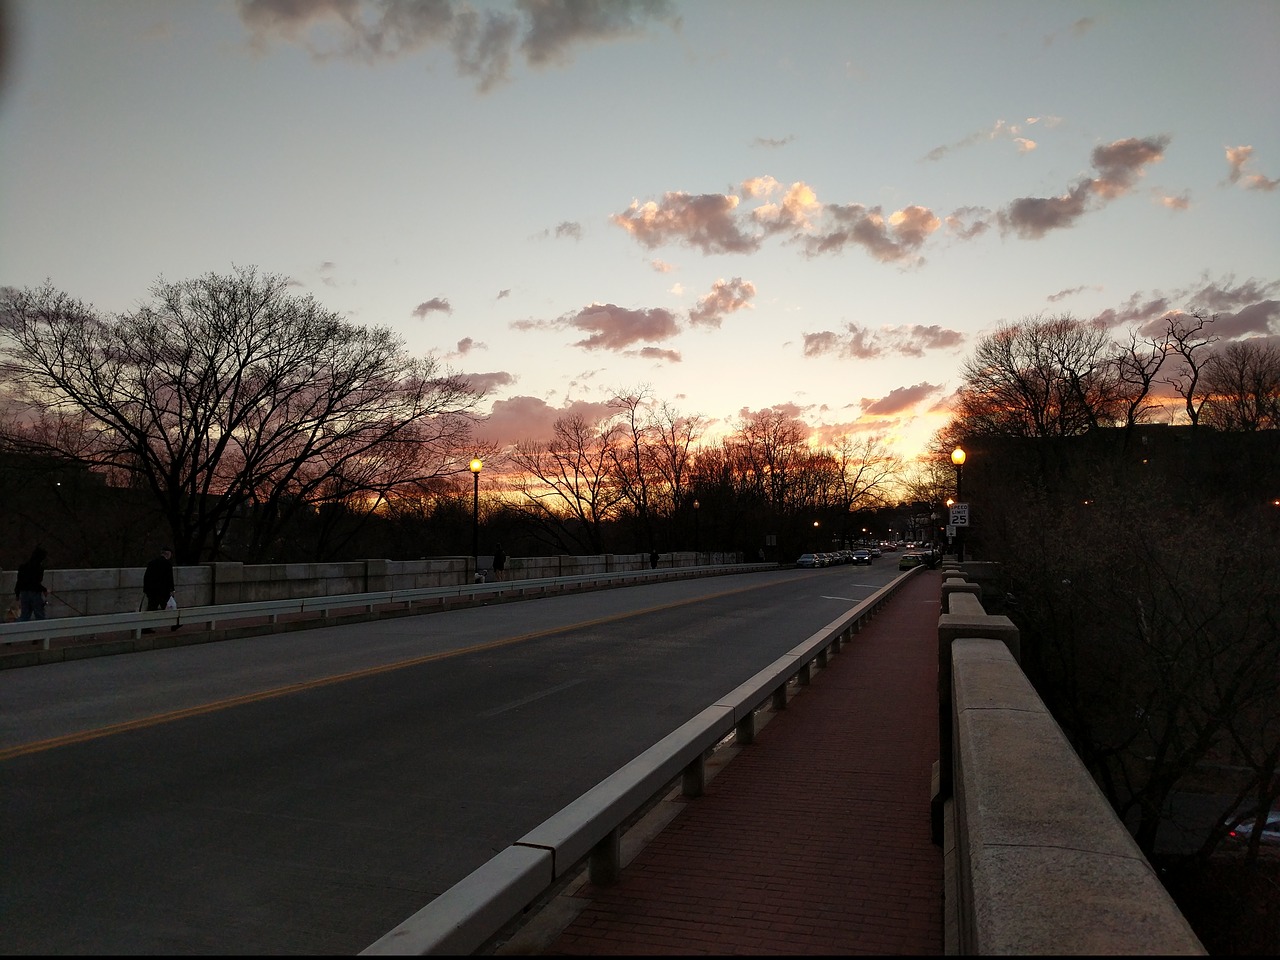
213,617
477,908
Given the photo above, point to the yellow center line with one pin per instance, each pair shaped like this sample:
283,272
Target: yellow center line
38,746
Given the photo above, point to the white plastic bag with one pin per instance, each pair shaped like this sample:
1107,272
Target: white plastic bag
172,604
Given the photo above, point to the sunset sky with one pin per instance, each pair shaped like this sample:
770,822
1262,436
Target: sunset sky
815,206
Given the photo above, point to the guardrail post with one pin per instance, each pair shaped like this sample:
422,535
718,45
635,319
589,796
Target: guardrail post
805,674
745,729
694,778
605,862
780,698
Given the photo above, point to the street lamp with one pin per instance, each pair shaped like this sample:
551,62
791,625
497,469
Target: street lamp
696,505
958,458
476,465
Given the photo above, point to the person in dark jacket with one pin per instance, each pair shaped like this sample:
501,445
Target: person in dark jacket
499,562
29,588
157,582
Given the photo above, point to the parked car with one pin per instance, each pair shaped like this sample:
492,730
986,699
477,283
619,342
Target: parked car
909,560
862,556
808,560
1270,831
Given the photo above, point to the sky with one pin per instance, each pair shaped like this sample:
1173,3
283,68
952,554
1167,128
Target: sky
815,207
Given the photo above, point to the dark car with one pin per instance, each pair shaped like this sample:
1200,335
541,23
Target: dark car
1269,837
862,556
808,560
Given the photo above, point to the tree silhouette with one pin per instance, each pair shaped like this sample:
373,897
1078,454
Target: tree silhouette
230,401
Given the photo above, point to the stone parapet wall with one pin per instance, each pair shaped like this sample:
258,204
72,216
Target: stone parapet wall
88,592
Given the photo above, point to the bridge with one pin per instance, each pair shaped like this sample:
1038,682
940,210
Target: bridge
1029,857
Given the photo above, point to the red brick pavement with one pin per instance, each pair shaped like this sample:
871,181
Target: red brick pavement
813,840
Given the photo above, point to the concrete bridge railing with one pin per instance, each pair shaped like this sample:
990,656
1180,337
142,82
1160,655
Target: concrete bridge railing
1036,860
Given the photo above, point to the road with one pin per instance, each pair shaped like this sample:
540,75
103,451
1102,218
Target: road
304,793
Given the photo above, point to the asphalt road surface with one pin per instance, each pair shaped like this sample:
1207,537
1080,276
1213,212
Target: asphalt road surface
304,793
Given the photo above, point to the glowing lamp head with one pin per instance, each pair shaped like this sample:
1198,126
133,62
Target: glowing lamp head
476,464
957,456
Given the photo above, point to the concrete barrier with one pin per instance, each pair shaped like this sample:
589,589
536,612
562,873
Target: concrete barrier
1036,860
89,592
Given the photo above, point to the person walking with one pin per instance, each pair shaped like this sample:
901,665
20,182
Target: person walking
29,587
653,559
157,582
499,562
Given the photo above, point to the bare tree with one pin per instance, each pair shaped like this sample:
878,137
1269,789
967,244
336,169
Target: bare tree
632,457
1242,383
1041,377
228,398
1186,337
675,440
570,484
770,448
865,472
1136,367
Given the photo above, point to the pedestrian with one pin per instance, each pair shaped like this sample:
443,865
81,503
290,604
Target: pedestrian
157,582
499,562
29,587
653,559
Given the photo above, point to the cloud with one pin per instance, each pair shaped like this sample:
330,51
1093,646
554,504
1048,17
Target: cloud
434,305
483,43
465,346
888,240
1000,130
1120,164
532,418
1078,29
1237,159
569,229
503,294
795,213
656,353
1241,308
616,328
900,400
862,343
772,141
719,223
1063,294
1181,202
726,297
968,222
705,221
488,382
1033,217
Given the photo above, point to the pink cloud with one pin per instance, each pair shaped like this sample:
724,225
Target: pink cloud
615,328
706,222
901,399
434,305
726,297
531,418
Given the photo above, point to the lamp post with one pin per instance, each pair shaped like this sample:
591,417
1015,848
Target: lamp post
696,505
958,458
476,465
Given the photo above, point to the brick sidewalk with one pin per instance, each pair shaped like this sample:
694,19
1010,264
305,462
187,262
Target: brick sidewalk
813,840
